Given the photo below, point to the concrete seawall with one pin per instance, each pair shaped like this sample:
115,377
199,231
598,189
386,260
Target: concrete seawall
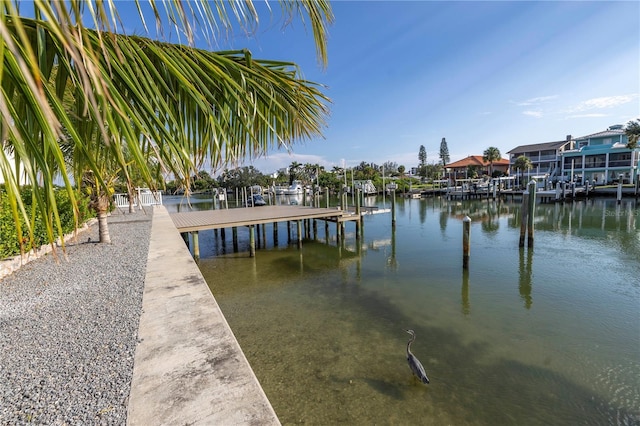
189,367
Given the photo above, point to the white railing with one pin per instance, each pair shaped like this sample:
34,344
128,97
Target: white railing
143,197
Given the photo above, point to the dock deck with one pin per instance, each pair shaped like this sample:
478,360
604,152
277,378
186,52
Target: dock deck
228,218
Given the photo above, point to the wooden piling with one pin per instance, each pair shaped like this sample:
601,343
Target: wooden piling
234,232
252,241
393,209
275,234
532,206
466,240
196,246
299,233
619,195
523,217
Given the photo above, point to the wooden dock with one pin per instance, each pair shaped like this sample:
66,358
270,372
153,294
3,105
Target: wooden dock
195,221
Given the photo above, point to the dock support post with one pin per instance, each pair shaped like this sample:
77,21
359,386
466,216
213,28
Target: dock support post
558,190
264,235
466,241
393,209
586,189
299,234
252,241
359,220
619,195
234,233
275,234
196,246
288,231
524,210
532,206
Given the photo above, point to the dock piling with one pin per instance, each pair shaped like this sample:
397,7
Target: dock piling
532,206
619,195
196,246
252,241
466,241
523,217
393,209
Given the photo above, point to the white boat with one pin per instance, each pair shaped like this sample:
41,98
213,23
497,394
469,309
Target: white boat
294,189
365,186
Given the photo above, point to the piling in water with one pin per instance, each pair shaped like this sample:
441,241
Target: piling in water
466,243
252,241
196,246
393,209
523,217
532,206
619,197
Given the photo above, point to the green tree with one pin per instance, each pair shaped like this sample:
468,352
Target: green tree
422,156
444,152
472,171
167,106
523,163
633,133
294,171
401,170
491,154
242,177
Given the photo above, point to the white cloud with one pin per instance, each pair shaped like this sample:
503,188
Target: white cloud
592,115
536,101
536,114
603,102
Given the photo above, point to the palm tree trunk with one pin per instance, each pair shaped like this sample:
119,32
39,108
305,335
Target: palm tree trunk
102,209
103,227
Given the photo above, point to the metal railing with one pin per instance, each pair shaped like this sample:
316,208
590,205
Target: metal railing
143,197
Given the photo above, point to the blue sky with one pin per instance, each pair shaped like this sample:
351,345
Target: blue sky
480,74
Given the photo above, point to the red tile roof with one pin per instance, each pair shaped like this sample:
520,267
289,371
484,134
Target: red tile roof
475,160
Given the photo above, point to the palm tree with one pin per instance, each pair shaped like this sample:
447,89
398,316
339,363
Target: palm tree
491,154
633,133
523,163
294,170
169,107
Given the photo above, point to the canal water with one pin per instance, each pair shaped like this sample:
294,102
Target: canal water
541,336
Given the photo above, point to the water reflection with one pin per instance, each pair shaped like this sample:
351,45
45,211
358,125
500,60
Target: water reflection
525,272
336,309
466,304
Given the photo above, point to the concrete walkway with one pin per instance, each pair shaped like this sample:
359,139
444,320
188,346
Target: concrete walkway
188,368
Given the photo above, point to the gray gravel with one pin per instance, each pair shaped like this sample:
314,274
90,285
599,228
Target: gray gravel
68,329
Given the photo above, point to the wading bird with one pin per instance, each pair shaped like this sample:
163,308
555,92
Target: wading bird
414,364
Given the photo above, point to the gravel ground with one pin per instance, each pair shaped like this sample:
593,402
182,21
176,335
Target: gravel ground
68,329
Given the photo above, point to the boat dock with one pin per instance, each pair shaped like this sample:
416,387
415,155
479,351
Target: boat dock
195,221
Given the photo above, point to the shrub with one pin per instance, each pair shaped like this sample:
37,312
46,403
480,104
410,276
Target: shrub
9,240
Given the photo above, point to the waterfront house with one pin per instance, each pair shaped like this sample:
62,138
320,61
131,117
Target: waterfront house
601,158
545,158
459,169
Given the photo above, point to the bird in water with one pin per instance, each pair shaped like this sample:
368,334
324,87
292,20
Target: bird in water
414,364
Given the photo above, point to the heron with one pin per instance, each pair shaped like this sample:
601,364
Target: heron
414,364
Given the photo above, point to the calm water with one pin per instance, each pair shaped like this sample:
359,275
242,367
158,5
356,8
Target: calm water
543,336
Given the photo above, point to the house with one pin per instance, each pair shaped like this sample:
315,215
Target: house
601,158
459,169
545,157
